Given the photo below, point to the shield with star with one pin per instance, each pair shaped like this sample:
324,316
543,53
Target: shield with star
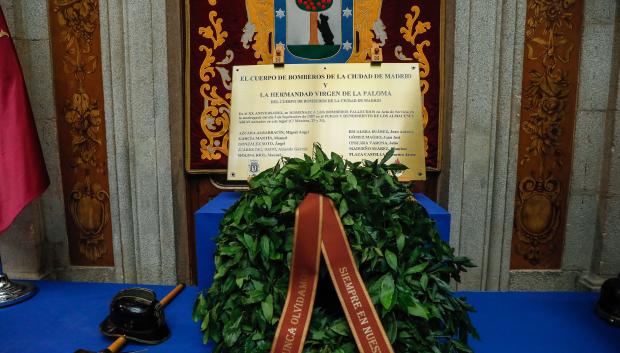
314,31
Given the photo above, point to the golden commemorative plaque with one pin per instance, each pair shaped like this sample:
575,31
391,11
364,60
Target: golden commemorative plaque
357,110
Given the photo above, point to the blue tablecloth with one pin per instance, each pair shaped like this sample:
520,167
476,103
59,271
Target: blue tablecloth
65,316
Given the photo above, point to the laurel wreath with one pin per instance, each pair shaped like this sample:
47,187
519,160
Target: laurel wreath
403,262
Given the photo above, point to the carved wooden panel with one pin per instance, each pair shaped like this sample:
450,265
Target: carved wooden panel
78,85
550,79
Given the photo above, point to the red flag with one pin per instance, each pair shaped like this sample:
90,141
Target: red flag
23,176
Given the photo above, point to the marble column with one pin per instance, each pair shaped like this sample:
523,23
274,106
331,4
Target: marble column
487,67
142,87
142,74
601,109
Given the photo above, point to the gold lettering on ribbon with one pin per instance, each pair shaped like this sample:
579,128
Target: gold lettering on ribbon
317,221
298,306
3,33
297,312
215,116
360,314
412,29
348,284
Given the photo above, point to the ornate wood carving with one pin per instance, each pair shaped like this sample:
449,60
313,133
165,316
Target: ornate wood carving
415,27
76,54
214,119
550,78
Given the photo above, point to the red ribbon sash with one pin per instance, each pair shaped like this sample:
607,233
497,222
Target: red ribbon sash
317,222
361,314
295,319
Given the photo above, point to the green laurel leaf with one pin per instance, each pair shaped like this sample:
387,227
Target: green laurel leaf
387,291
391,259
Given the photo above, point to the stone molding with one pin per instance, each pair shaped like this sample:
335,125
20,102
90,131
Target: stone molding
484,129
137,91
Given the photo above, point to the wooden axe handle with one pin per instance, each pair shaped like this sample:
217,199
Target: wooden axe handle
117,344
173,293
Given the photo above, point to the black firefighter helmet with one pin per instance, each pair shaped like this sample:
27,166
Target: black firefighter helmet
137,314
608,306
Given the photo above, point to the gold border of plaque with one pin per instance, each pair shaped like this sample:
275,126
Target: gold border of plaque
359,111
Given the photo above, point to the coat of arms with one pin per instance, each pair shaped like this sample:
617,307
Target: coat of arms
221,34
314,30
